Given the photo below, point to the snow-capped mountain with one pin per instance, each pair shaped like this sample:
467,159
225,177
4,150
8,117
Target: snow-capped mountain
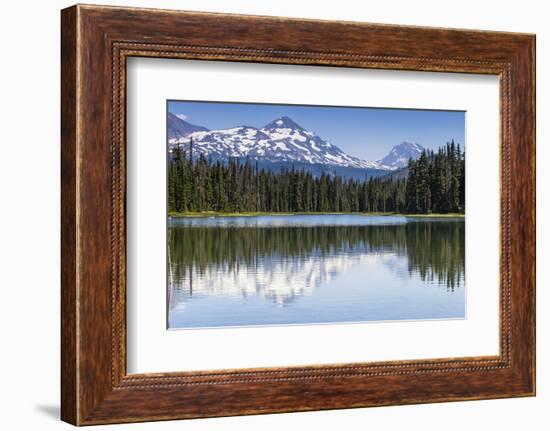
179,128
399,156
280,141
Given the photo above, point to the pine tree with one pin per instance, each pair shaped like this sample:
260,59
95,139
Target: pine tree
435,182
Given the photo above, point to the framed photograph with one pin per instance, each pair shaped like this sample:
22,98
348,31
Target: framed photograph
265,215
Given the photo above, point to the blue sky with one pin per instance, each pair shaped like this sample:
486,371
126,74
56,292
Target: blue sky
368,133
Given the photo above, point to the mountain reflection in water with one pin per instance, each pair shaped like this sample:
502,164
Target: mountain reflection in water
313,269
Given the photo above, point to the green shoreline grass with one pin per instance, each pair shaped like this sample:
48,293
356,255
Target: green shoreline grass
253,214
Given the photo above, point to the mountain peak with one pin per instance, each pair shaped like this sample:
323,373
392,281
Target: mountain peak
409,145
282,141
179,128
399,155
283,123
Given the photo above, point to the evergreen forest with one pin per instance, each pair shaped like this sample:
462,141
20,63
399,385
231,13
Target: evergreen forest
433,183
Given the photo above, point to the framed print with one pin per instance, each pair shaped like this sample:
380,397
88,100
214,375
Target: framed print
261,217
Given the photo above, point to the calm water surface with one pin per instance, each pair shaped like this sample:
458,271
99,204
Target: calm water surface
276,270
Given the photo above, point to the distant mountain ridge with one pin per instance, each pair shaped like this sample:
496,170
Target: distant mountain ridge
284,142
179,128
399,155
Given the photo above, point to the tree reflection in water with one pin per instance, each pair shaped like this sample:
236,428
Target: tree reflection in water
284,263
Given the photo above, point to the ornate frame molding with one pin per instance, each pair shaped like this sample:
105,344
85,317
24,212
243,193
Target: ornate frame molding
96,41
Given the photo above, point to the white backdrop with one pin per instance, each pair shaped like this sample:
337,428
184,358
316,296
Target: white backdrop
151,348
29,228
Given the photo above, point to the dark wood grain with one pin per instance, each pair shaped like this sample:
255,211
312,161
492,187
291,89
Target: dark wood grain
69,398
96,41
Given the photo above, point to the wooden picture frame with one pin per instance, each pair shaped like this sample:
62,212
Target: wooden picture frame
95,43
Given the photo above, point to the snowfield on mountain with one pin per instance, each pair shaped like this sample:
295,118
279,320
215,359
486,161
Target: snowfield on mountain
280,142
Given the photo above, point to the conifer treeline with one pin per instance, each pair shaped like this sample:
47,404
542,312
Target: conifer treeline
435,183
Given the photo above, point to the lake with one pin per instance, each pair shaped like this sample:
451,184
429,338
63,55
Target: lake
313,269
